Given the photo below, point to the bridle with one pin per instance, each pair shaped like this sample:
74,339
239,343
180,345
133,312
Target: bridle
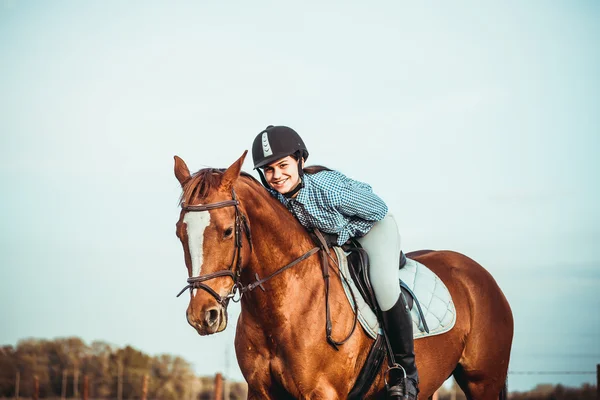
241,226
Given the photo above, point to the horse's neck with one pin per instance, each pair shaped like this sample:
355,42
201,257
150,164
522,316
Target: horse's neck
278,239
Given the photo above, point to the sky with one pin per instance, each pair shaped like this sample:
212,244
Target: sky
477,123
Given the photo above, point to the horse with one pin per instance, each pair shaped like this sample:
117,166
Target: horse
241,244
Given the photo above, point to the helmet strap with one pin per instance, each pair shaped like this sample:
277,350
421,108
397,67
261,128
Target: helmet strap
295,190
300,165
262,179
300,184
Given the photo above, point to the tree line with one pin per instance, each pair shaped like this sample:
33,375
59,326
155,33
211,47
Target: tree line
59,367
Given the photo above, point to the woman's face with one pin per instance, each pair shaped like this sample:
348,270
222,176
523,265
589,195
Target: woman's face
282,174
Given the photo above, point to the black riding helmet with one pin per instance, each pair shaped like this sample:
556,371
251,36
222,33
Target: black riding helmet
274,143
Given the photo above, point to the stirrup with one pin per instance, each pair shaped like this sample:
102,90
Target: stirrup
399,389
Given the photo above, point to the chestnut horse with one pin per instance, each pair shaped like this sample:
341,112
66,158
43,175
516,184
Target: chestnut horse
234,233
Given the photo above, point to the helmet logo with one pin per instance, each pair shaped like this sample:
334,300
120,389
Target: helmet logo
266,146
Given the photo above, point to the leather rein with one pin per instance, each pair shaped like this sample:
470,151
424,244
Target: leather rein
241,227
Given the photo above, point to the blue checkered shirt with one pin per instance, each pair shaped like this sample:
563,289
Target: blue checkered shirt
334,203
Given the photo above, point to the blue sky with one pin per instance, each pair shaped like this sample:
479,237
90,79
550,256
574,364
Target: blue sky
478,124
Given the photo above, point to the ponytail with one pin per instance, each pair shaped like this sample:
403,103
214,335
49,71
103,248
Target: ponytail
313,169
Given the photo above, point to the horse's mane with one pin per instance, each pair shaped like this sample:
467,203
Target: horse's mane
201,183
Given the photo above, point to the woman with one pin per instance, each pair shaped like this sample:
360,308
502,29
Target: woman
335,204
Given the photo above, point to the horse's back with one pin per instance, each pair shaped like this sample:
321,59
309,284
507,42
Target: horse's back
465,277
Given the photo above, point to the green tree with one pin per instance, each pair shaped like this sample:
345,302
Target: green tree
98,370
170,377
32,361
8,371
65,354
135,365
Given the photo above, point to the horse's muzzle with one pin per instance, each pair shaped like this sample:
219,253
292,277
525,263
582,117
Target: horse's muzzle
207,320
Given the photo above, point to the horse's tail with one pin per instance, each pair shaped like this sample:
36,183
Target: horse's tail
504,392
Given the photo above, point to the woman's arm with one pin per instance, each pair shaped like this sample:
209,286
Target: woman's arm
356,199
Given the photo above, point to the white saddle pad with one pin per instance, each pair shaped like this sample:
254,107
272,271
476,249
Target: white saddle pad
432,294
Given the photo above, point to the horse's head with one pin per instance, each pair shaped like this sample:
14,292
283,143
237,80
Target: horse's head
213,230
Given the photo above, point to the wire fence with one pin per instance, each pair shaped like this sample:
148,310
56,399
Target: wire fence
221,388
552,372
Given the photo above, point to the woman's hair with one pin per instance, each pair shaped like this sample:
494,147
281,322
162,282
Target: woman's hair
313,169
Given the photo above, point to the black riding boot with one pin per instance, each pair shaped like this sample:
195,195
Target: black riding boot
399,327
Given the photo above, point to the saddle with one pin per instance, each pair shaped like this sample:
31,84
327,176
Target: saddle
358,263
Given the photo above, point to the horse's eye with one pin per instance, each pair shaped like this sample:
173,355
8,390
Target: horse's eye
228,232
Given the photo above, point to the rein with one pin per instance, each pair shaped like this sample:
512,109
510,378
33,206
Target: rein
241,226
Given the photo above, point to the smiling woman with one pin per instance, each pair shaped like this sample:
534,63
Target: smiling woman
333,203
282,175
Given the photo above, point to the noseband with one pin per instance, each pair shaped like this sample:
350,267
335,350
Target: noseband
241,222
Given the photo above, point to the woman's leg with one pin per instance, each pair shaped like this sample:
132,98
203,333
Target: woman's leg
382,243
383,246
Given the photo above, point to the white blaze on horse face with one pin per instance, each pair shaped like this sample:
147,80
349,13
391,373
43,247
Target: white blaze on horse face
196,223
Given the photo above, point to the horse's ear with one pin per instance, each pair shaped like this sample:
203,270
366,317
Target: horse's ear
233,172
182,173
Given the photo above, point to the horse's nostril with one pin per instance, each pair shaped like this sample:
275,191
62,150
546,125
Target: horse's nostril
212,316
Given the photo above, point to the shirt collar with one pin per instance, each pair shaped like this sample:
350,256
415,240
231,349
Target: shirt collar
304,193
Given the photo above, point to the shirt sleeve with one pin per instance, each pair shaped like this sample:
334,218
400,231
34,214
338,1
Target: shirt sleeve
356,199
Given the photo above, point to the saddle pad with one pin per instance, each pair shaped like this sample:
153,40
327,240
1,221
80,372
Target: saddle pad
432,294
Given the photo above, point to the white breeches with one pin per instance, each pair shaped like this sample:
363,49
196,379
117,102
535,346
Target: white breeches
382,243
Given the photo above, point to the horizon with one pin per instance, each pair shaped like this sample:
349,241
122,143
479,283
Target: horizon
447,385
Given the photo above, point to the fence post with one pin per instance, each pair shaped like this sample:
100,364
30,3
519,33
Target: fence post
453,392
145,387
86,385
226,394
36,387
63,392
76,380
598,381
120,380
17,384
219,386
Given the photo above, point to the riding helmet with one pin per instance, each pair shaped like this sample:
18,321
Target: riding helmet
277,142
